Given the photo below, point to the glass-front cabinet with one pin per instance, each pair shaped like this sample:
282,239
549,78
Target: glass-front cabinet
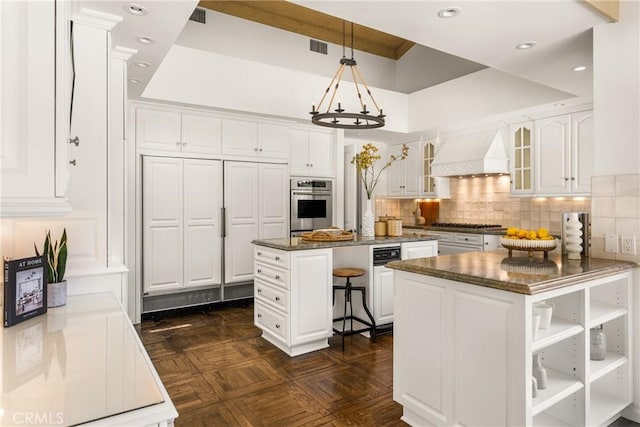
432,186
521,156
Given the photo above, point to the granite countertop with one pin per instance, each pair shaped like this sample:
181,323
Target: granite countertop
492,231
297,244
521,274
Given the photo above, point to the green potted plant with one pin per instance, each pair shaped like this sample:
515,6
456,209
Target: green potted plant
55,254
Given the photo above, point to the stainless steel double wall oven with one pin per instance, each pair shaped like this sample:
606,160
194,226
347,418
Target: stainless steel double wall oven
311,205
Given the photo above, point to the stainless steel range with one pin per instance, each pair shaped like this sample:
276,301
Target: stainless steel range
457,238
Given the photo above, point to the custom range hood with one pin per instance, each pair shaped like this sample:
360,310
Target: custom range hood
481,153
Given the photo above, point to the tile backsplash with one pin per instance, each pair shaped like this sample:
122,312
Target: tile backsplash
615,210
488,200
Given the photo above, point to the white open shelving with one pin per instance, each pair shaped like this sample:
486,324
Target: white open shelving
600,368
559,386
581,391
558,330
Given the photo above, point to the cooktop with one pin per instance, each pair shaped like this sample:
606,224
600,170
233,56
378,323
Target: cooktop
464,225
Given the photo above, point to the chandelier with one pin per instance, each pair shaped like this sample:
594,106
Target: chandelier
339,117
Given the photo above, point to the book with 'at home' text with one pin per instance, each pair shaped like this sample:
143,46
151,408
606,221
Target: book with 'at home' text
25,289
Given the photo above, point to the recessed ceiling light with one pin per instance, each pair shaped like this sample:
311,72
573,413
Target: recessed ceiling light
526,45
579,68
134,81
449,12
136,9
142,64
145,40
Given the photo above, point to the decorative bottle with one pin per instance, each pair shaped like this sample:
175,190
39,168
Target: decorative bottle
534,387
598,344
573,234
539,371
368,219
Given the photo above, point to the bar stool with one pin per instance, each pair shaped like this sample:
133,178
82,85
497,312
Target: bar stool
348,273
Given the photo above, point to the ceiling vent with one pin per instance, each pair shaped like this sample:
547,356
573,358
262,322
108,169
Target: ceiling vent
199,15
317,46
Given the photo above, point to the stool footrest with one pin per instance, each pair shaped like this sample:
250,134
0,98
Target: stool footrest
353,331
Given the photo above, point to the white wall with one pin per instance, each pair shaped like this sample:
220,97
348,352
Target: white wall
202,78
617,93
484,93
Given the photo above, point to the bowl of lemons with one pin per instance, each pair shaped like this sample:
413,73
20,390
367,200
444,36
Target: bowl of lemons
521,239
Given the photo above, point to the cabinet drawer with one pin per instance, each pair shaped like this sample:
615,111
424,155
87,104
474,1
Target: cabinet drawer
443,237
279,298
275,276
468,238
267,319
271,256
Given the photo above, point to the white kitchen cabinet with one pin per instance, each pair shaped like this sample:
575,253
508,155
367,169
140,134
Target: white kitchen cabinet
522,157
312,153
383,291
181,223
35,105
564,154
472,362
255,140
424,249
293,298
432,186
403,176
175,131
257,206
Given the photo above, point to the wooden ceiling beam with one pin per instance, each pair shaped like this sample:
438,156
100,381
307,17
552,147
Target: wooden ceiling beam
301,20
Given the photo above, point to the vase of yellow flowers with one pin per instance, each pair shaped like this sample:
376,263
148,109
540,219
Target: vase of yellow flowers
365,162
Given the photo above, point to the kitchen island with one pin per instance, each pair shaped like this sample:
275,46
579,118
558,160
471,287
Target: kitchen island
464,339
293,285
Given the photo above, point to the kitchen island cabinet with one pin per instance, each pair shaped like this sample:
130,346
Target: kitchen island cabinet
293,282
464,339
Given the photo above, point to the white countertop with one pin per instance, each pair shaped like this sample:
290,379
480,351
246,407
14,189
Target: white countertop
76,364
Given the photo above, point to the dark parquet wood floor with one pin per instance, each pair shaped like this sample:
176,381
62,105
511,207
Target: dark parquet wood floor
219,372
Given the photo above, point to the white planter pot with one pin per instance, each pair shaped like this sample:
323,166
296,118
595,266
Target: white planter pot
56,294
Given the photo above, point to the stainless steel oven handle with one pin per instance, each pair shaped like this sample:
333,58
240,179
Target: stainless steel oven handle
311,193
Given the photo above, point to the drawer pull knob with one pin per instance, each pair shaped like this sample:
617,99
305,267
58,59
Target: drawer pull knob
259,315
277,298
277,277
277,326
259,253
277,258
259,271
259,290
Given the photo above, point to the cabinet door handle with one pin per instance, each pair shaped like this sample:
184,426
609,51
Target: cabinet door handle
255,148
259,290
566,179
573,178
72,162
260,149
277,277
277,258
178,143
307,164
259,271
259,315
311,165
184,143
75,141
259,253
277,326
277,298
